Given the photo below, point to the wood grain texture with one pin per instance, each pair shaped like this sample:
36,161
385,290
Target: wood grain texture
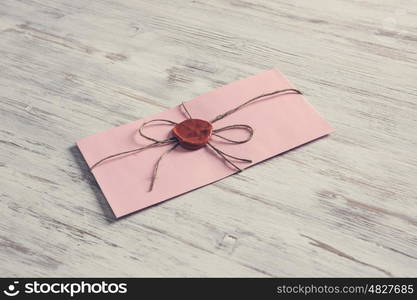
345,205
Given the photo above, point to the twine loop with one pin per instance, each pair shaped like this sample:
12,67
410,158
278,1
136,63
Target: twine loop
174,142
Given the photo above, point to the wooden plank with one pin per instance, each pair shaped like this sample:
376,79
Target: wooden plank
344,205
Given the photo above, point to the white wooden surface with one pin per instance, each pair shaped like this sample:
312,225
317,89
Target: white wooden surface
344,205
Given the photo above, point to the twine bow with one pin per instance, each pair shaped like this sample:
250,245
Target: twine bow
177,139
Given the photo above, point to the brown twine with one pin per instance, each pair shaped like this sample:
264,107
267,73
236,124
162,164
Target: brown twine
173,140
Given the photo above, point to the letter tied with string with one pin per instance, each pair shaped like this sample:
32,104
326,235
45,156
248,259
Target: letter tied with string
193,134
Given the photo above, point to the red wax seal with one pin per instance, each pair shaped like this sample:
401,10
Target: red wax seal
193,134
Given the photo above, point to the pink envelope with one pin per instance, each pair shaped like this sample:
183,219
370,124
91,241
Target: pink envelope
280,123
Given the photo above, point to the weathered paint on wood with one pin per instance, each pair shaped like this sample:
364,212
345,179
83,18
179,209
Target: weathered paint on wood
344,205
